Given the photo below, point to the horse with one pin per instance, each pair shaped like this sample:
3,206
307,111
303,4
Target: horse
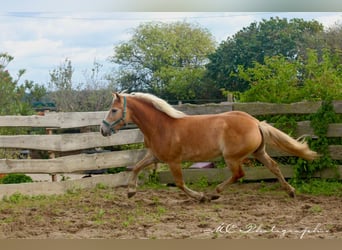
173,137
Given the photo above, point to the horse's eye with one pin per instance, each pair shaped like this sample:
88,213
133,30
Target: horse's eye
114,111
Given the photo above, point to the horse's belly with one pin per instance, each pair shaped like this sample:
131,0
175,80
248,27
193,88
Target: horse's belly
200,154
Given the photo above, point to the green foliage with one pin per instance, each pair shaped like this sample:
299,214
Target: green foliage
322,76
252,44
201,183
15,178
319,122
280,80
116,170
274,81
166,59
15,198
16,98
319,187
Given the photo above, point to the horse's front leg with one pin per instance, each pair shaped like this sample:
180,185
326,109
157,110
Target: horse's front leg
176,171
148,159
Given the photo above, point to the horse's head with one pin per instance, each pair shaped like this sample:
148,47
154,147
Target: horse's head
116,116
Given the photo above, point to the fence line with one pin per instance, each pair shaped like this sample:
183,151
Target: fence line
63,143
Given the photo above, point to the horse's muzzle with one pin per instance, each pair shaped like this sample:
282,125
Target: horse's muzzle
105,131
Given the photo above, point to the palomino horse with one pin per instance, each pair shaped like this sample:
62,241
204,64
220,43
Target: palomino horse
173,137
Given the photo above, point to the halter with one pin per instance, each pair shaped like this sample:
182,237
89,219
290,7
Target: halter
121,119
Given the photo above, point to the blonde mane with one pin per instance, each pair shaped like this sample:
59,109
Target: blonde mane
159,104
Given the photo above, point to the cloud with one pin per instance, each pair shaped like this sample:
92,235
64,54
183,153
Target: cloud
330,20
31,48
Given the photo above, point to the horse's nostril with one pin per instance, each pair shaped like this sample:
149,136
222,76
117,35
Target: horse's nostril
102,132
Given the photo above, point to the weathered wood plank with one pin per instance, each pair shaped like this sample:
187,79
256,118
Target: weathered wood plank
70,142
51,188
335,152
304,128
210,108
337,106
275,108
335,130
54,120
50,120
215,175
73,163
81,119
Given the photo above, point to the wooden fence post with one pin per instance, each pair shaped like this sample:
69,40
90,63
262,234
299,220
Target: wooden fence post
230,98
52,155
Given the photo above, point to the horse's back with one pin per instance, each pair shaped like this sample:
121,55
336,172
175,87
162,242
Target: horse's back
239,114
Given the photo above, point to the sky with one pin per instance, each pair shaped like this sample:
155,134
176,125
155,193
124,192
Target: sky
40,40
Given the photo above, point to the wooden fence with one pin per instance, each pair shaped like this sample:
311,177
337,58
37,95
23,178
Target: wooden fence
63,143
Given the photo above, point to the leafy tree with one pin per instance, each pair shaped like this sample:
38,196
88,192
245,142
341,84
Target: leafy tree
332,37
274,81
280,80
95,93
322,76
273,37
16,98
61,85
91,95
165,59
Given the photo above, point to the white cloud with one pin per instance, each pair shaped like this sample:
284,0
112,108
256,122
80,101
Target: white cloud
330,20
31,48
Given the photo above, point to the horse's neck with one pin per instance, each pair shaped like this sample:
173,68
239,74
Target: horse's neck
148,118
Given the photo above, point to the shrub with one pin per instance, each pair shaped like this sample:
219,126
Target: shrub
15,178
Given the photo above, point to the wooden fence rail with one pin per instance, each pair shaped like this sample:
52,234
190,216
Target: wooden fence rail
80,141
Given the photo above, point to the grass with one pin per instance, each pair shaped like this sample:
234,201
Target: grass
315,187
319,187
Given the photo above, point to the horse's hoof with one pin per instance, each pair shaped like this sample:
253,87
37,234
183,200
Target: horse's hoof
204,199
214,196
131,194
218,190
292,194
209,197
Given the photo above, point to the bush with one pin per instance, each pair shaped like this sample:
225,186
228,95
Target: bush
15,178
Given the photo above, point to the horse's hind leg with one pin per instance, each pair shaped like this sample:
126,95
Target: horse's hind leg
148,159
237,173
265,159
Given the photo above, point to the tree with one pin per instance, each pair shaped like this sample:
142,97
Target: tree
61,86
165,59
274,81
280,80
274,37
15,98
322,76
333,39
94,94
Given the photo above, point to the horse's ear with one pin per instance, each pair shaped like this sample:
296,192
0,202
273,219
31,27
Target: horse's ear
116,96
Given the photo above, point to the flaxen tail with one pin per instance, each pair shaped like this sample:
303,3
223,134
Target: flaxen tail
282,141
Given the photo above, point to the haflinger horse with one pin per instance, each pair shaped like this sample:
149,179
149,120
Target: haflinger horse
173,137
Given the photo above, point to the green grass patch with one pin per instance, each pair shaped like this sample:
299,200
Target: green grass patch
319,187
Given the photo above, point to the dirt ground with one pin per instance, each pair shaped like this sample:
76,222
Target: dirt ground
245,211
